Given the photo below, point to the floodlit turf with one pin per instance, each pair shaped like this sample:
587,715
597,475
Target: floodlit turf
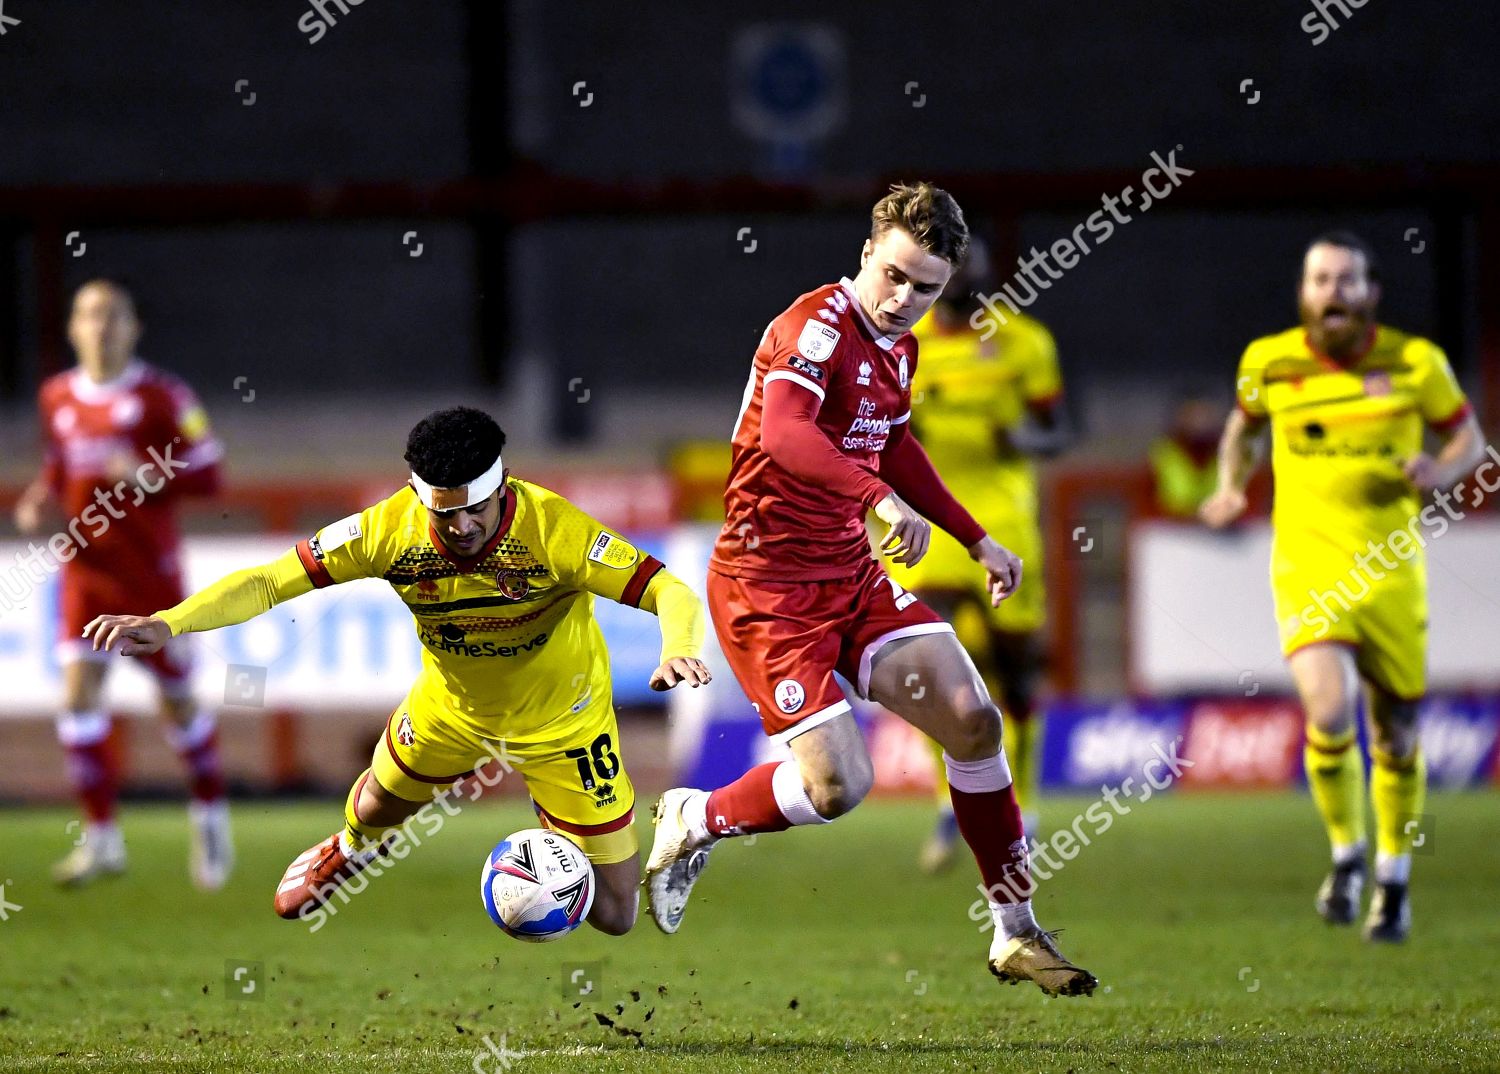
812,951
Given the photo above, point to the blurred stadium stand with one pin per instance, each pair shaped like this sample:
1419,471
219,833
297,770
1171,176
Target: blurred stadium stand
421,208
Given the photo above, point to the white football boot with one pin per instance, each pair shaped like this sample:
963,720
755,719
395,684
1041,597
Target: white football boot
211,858
675,862
102,853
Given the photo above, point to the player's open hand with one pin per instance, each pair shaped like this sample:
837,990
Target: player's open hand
688,669
136,635
1422,471
34,510
909,534
1222,508
1002,568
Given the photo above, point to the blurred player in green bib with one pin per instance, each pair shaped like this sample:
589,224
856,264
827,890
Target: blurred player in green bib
988,404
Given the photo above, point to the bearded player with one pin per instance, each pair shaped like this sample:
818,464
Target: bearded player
124,442
1347,401
822,437
989,404
500,576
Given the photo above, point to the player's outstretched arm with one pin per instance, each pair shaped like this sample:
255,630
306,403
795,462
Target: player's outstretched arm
682,632
1239,454
1462,450
232,599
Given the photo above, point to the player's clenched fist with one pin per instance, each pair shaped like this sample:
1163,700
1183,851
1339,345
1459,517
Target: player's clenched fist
137,635
1001,565
688,669
907,539
1222,508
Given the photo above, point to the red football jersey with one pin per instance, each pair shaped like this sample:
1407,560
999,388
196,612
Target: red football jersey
779,526
97,438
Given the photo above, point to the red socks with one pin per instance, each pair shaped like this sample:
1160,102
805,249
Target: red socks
984,804
198,746
747,805
92,764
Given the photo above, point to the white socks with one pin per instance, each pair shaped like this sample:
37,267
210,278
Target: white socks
695,817
978,777
1348,853
1014,919
1392,868
791,795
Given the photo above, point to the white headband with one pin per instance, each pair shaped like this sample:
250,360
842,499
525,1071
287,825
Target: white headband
475,491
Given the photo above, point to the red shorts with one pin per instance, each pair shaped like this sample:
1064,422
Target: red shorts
785,640
87,593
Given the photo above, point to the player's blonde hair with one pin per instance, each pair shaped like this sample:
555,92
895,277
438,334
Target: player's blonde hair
928,214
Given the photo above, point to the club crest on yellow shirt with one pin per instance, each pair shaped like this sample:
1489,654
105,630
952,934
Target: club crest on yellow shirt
512,584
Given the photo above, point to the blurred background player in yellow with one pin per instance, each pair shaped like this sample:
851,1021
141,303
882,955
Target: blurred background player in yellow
1185,459
1347,401
985,409
500,576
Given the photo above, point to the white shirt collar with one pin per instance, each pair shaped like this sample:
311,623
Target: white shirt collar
89,390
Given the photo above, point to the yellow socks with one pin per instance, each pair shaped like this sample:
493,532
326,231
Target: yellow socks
358,835
1398,789
1336,777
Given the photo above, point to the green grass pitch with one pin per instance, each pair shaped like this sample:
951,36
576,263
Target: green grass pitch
818,950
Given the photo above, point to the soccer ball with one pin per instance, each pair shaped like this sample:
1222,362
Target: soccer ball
537,885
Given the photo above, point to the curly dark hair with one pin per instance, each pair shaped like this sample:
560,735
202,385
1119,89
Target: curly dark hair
452,447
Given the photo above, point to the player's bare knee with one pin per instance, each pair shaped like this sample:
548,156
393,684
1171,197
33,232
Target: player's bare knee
613,920
835,793
975,733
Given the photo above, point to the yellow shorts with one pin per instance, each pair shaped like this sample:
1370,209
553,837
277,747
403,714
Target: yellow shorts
1009,516
578,784
1384,621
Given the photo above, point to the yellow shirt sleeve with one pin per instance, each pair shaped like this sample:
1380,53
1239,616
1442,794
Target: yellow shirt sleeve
1250,383
1041,376
680,612
350,548
1440,395
590,556
239,596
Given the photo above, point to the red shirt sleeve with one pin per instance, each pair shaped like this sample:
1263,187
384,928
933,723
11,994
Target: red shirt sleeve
905,464
195,450
791,437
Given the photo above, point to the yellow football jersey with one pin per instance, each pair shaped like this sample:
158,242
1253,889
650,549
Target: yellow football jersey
1341,434
969,387
967,390
509,640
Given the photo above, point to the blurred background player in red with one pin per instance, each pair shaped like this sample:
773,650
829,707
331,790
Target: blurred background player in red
989,405
795,595
123,441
